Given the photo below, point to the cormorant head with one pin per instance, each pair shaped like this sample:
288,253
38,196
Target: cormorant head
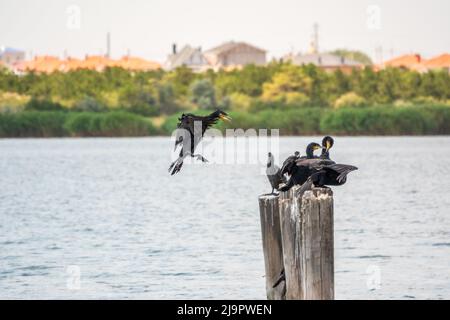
297,154
327,143
311,148
222,115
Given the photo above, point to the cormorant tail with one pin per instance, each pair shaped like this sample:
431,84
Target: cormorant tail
305,187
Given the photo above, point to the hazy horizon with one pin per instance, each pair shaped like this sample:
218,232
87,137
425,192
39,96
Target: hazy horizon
148,28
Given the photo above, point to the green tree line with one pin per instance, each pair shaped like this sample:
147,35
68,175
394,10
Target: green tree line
296,99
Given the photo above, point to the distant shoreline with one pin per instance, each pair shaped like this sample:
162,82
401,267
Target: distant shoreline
369,121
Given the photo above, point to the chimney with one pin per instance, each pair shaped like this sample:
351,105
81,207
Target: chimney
108,45
174,48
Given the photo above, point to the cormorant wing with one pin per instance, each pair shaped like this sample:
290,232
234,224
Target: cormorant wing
206,121
342,169
288,164
315,163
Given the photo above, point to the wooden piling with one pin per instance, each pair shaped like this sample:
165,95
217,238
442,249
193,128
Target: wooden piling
307,242
271,239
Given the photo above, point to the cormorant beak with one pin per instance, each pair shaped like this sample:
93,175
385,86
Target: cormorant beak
328,145
225,118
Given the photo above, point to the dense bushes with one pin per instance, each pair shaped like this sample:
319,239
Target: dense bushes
33,124
108,124
388,120
382,120
84,124
414,120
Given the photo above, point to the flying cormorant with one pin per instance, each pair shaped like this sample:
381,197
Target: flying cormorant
191,129
274,173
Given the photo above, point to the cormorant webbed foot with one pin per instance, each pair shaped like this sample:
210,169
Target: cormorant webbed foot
176,166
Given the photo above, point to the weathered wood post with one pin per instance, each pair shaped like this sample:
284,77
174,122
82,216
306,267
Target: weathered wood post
307,240
271,239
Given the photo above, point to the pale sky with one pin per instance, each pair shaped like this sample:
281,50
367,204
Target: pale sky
148,27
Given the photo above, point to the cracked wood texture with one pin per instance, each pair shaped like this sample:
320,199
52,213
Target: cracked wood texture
307,237
271,240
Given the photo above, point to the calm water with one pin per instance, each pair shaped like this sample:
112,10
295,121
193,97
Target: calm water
109,208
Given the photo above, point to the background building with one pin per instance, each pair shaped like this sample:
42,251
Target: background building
326,61
188,56
235,54
9,56
417,63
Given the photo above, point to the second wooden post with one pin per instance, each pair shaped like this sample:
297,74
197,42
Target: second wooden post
307,234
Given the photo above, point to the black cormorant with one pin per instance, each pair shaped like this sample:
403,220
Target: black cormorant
274,173
313,146
289,163
327,144
317,171
191,129
301,175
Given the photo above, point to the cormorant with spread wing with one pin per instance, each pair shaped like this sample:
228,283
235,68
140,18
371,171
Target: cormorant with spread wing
316,171
191,129
289,165
274,173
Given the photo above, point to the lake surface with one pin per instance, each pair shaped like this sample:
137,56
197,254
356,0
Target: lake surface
106,212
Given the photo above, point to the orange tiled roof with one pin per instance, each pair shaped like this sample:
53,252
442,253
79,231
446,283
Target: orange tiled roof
137,64
42,64
442,61
405,61
49,64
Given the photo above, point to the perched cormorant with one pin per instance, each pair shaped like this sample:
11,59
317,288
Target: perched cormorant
274,173
191,129
313,146
327,144
301,175
289,163
316,171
